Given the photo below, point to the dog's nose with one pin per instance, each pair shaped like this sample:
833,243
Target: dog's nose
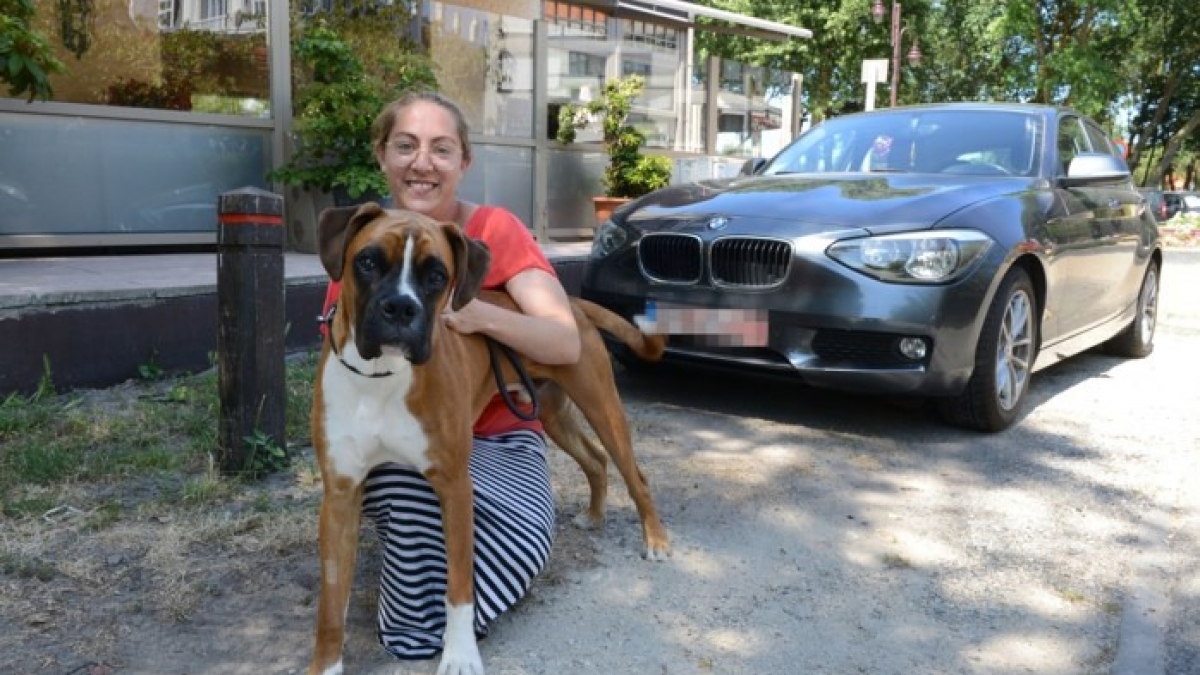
402,308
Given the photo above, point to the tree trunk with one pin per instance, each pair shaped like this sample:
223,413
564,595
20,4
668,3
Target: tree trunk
1173,147
1164,102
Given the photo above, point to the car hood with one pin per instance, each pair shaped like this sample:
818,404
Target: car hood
820,202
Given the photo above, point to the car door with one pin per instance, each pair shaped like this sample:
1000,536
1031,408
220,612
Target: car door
1083,232
1122,212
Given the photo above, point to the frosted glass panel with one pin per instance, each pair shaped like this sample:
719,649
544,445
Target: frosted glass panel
76,175
572,179
501,176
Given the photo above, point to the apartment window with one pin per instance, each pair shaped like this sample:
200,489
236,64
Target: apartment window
211,9
585,65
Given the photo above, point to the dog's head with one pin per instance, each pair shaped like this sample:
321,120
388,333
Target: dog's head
398,270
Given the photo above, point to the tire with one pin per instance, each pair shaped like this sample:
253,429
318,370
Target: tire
1004,358
1137,340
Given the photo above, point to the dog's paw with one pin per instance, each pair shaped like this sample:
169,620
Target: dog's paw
460,664
654,554
658,545
335,669
585,520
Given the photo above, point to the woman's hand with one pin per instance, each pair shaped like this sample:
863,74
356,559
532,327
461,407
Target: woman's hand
473,317
544,329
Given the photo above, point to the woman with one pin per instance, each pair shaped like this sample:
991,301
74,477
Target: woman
422,147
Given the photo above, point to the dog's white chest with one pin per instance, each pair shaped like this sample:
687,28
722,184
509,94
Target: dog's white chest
367,422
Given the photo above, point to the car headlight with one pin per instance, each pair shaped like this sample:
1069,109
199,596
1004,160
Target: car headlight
608,238
914,257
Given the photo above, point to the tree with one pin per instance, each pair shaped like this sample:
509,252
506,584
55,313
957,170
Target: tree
1123,62
843,35
1165,88
26,58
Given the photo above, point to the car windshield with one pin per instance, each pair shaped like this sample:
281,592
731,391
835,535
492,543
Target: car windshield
974,142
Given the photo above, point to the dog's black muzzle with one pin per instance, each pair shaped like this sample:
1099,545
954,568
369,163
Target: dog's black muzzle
396,321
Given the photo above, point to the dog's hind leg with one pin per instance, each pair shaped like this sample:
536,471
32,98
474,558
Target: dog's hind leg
338,540
562,426
601,405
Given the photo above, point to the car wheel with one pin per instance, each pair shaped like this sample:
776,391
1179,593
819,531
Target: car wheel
1137,340
1004,359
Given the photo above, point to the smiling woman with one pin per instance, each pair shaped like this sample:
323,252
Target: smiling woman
423,150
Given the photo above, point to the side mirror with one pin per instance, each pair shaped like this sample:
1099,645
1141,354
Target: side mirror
751,166
1096,167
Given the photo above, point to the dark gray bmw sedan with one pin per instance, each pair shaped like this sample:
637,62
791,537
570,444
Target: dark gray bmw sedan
947,251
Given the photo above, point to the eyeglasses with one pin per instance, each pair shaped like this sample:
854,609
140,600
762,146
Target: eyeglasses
442,154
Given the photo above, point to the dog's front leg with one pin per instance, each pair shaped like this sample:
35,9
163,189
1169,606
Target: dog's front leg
338,540
460,653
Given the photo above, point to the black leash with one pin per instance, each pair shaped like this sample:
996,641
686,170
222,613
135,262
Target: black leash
505,395
327,321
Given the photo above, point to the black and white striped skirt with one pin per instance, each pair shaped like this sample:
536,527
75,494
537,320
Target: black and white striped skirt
514,526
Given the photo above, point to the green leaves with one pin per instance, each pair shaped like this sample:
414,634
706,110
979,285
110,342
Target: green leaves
629,173
26,57
349,69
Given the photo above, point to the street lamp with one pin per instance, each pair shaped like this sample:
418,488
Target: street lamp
914,54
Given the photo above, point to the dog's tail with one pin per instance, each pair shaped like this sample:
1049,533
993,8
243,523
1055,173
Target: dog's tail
646,347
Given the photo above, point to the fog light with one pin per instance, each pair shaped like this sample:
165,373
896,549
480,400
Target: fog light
913,348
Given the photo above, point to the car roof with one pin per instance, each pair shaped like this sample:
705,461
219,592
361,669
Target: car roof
1050,111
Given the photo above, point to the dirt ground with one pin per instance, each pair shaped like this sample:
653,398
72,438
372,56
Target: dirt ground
813,532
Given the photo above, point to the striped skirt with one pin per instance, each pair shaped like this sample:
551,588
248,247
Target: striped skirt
514,525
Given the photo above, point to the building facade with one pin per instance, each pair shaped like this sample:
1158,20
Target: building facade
165,104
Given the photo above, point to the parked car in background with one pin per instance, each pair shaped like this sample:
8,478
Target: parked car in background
1156,204
1181,202
947,251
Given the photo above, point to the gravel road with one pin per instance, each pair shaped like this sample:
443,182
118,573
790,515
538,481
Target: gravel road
827,533
814,532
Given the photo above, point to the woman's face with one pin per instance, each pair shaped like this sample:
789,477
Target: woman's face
423,161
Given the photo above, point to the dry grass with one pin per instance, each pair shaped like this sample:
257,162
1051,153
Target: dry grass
112,498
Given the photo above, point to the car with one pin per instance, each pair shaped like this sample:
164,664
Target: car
1178,202
1156,203
946,251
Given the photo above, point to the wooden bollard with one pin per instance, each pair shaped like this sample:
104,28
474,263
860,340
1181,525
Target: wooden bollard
250,339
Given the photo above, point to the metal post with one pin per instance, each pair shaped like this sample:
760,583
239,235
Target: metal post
250,336
895,50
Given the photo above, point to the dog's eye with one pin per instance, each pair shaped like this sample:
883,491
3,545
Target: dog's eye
436,279
365,264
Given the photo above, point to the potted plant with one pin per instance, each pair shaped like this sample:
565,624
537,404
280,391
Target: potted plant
337,99
629,173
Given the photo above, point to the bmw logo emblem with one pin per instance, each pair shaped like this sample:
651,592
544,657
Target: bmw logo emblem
718,223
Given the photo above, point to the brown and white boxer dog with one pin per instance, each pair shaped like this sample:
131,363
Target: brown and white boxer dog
394,384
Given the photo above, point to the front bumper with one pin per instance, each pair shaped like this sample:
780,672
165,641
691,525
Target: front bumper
828,325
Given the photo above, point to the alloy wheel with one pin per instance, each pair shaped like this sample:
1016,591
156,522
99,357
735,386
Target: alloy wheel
1014,354
1148,305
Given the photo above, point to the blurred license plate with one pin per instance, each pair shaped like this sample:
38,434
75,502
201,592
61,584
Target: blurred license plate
724,326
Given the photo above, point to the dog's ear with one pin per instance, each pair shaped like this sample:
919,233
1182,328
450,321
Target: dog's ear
336,227
471,262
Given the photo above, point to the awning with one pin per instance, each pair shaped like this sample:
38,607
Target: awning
687,12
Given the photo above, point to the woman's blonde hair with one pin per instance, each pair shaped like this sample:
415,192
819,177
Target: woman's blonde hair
382,128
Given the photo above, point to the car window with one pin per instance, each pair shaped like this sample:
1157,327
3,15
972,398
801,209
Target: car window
1100,140
1072,140
925,141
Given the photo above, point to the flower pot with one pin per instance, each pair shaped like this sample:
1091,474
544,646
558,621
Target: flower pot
606,205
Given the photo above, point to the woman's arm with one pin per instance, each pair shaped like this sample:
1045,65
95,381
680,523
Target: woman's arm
543,330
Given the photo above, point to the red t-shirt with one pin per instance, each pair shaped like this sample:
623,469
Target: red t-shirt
514,250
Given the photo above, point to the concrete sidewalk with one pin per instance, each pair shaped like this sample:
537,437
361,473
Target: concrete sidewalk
30,283
94,320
